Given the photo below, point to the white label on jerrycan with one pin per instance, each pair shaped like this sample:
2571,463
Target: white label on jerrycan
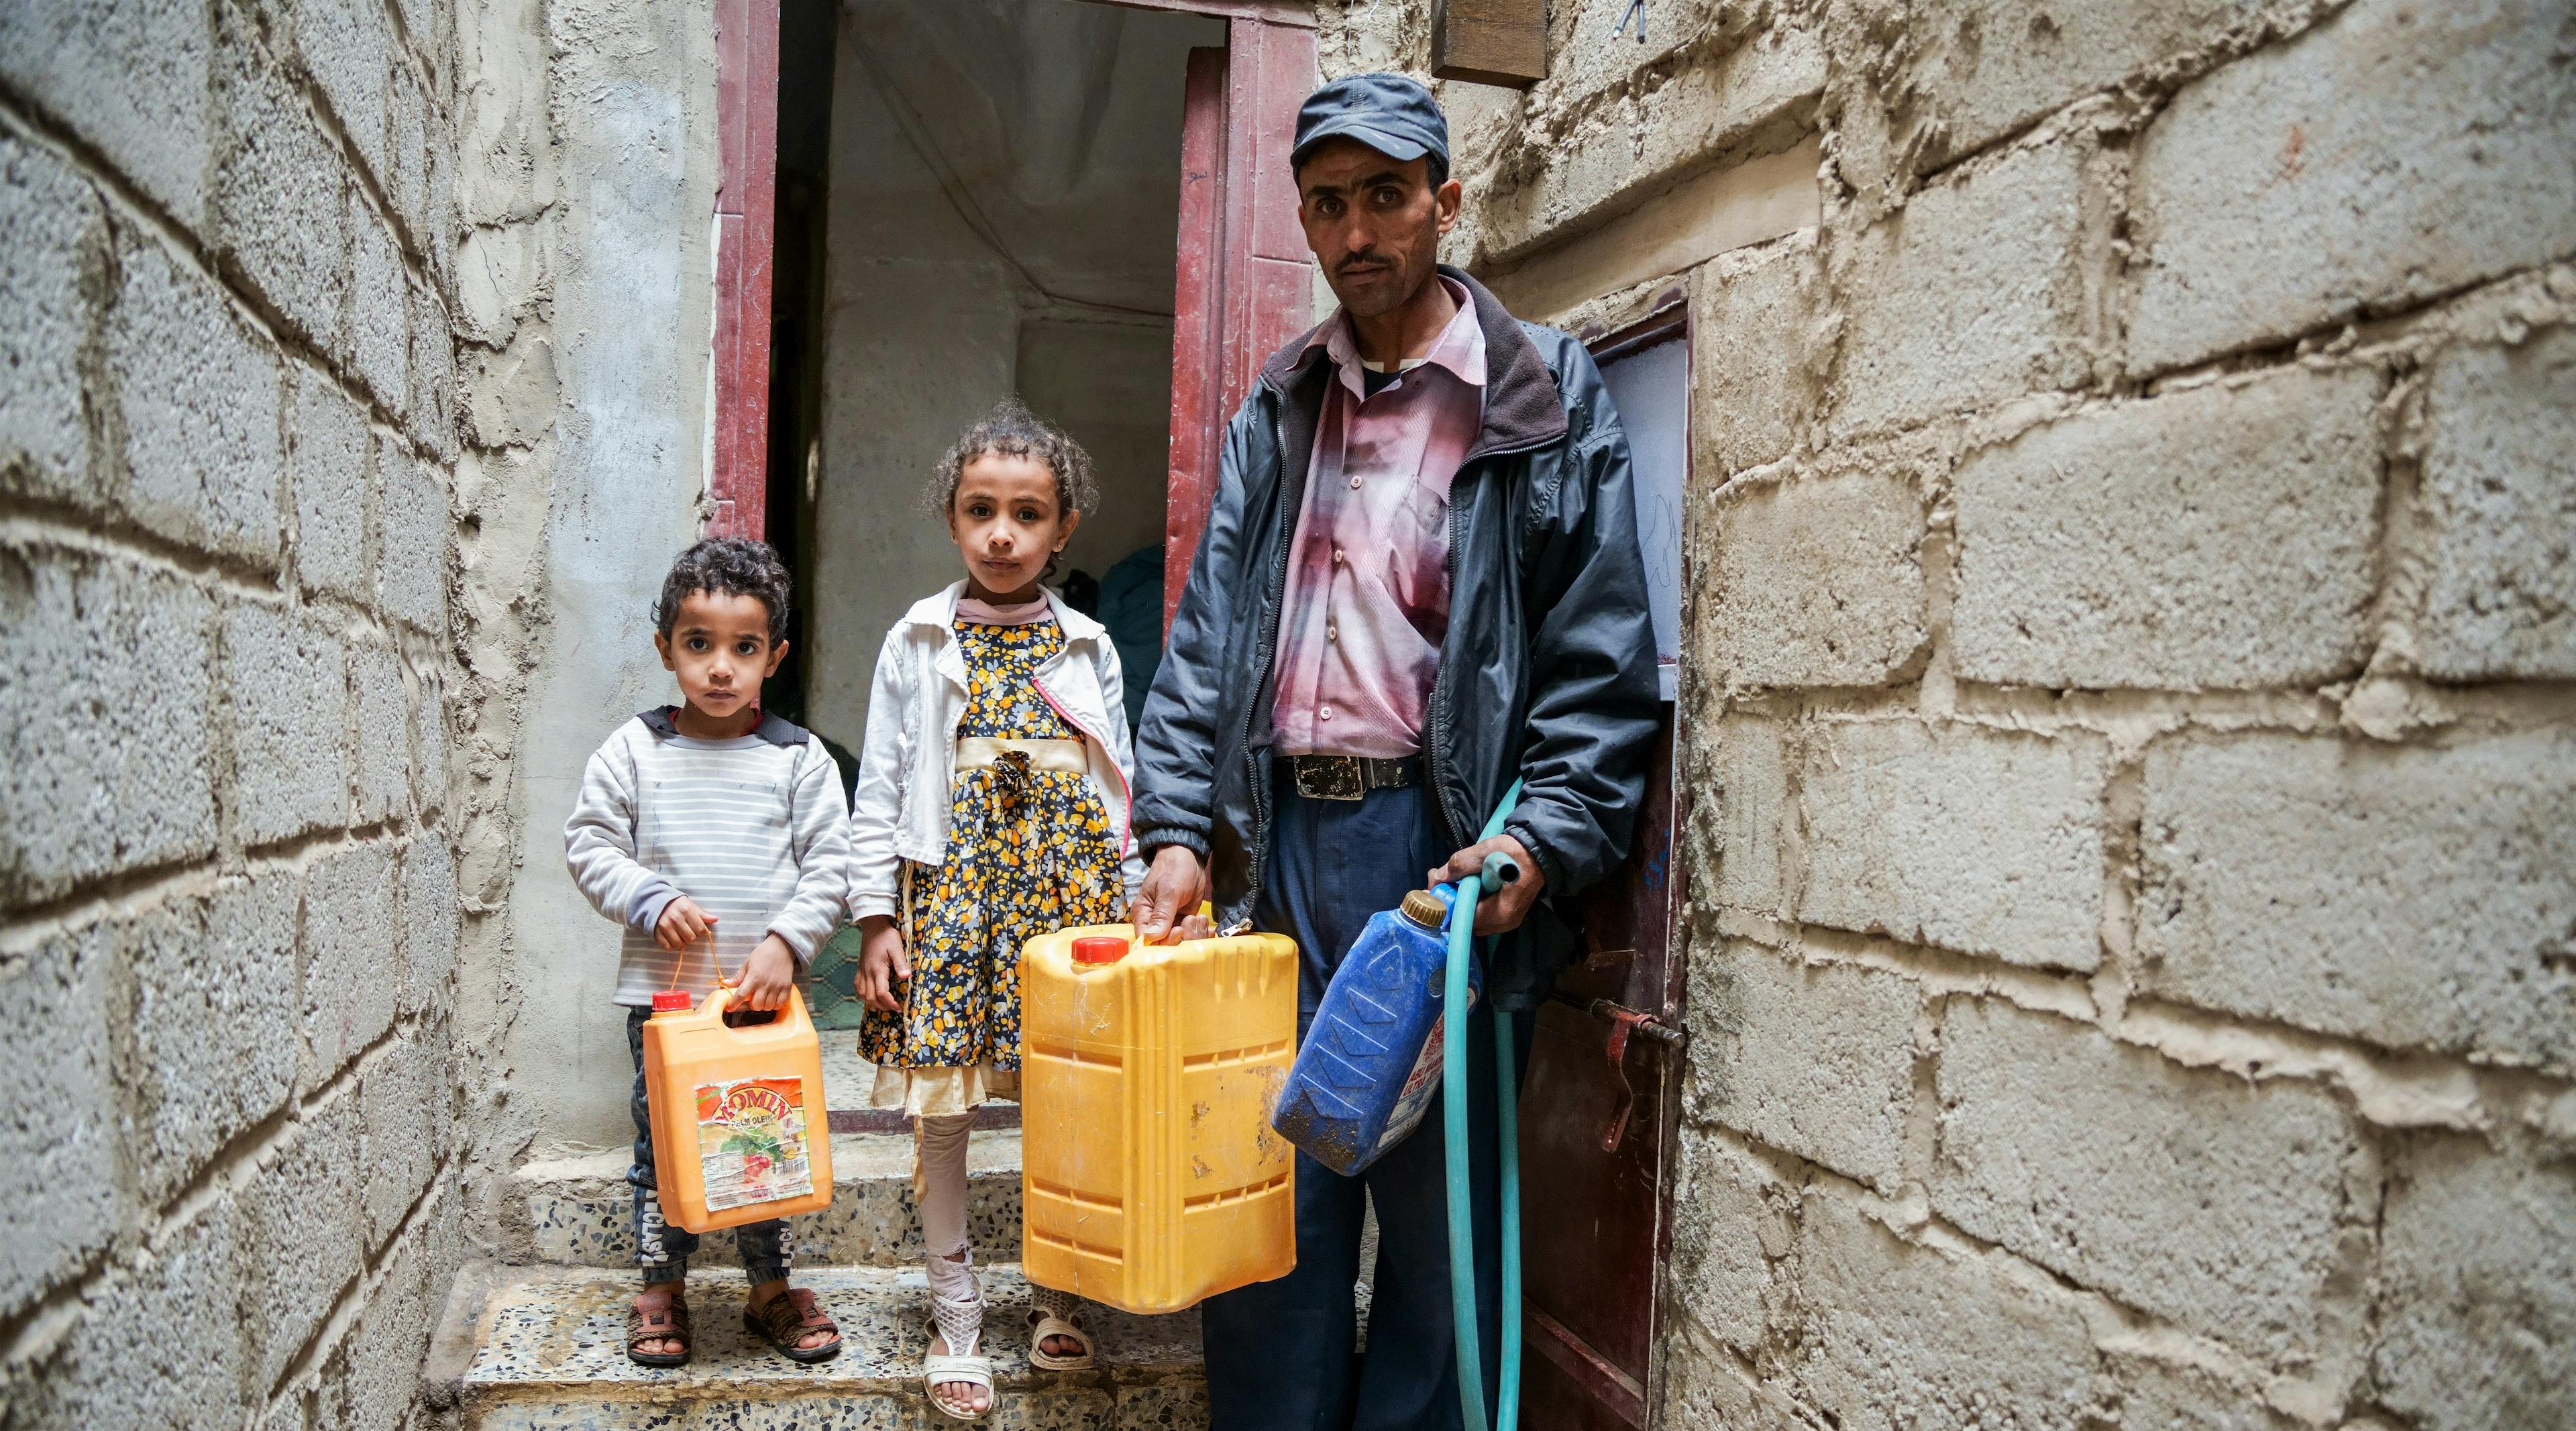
751,1141
1419,1085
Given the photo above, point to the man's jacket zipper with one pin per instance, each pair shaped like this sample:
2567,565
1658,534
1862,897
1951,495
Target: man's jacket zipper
1269,648
1435,742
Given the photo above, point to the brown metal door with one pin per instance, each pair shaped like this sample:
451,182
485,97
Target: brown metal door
1589,1263
1598,1116
1601,1104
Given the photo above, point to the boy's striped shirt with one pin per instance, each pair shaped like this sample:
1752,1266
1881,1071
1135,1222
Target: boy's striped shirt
755,829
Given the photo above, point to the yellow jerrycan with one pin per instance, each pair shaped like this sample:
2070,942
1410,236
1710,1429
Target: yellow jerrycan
1150,1177
740,1130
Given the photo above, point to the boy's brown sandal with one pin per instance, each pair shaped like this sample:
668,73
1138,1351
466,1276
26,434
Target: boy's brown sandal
786,1319
664,1324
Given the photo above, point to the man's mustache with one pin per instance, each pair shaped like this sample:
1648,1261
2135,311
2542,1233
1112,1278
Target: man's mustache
1366,255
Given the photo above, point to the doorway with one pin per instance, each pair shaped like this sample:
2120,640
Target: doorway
974,200
942,169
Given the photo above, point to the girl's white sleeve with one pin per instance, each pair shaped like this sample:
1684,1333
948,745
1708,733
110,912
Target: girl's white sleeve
1113,693
876,802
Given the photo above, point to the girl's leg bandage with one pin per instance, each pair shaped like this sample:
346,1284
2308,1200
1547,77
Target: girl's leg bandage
939,1190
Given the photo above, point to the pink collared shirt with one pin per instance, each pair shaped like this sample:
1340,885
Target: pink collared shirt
1368,576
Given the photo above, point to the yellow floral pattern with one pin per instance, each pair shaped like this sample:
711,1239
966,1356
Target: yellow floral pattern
1029,851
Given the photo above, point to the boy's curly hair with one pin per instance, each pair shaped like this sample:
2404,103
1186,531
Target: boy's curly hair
732,566
1011,430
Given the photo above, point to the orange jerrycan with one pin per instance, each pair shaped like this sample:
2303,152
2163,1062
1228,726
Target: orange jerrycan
740,1133
1150,1177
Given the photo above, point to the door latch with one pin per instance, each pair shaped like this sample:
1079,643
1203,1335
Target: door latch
1624,1022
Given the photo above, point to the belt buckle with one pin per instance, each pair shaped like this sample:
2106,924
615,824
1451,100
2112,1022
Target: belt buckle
1330,777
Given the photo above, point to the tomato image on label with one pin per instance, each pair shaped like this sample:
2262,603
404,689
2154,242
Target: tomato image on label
751,1141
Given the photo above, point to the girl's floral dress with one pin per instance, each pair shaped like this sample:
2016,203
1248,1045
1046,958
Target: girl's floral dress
1029,851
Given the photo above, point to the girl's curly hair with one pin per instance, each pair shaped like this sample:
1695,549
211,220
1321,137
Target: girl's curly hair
1011,430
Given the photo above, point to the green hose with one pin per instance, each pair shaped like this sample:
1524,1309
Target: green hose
1453,1117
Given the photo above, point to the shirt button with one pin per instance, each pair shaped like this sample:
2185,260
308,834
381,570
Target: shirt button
1332,632
1355,482
1337,556
1324,713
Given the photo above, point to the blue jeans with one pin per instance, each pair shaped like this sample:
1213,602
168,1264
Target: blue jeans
1280,1354
661,1249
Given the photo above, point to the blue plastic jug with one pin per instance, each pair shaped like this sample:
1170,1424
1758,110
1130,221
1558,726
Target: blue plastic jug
1371,1060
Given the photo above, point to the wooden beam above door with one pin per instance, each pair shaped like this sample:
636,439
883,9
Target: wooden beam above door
1499,42
1300,13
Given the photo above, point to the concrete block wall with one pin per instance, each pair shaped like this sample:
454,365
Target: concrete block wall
2128,634
585,175
228,902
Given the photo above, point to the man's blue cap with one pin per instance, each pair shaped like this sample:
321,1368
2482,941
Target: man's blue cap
1393,115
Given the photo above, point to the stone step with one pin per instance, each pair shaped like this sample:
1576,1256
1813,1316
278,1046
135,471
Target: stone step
577,1211
849,1082
543,1349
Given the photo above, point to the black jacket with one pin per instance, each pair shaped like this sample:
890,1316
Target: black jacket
1547,671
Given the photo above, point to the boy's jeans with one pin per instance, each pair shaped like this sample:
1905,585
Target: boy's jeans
660,1249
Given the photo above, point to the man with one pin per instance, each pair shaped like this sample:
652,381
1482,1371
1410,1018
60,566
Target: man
1419,581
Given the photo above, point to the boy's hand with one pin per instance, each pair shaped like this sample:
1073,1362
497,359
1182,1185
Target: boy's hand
1175,883
768,974
882,964
682,924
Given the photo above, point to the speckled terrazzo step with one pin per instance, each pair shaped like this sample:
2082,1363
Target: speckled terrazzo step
849,1086
548,1354
577,1210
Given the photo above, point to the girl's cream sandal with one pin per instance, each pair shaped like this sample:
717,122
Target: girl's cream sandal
1056,1314
959,1322
968,1370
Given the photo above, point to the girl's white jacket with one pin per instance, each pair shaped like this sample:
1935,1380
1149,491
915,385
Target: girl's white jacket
900,809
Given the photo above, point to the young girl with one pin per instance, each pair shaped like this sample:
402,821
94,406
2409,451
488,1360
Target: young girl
991,806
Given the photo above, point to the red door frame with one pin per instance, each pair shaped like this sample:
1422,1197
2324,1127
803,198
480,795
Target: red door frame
1243,284
746,220
1245,281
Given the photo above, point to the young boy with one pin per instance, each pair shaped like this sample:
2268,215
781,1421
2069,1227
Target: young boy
719,837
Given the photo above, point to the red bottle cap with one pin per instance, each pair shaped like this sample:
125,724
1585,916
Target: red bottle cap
1099,949
671,1001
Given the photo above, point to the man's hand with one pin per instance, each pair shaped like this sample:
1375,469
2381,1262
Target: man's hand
882,964
768,974
1166,909
1498,910
682,924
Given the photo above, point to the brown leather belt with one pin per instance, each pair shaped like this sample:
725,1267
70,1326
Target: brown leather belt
1350,777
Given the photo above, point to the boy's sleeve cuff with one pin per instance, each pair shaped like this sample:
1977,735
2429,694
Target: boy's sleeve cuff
861,906
800,946
644,911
